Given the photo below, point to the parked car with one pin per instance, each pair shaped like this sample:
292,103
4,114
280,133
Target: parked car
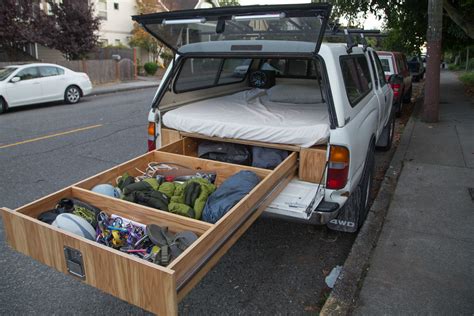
38,83
423,59
398,75
417,68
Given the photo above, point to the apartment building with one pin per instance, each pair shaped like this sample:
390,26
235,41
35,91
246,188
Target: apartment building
117,24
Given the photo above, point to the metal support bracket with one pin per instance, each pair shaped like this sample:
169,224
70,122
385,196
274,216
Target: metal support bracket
74,262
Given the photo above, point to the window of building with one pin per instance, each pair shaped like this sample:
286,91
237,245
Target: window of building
116,5
117,42
102,9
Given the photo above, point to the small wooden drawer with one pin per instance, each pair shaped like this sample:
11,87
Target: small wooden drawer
149,286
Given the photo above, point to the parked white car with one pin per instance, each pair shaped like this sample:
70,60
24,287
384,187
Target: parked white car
38,83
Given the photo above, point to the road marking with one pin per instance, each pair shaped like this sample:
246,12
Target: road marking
51,136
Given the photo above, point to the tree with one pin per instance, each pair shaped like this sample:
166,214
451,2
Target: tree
140,37
16,23
434,35
461,13
228,3
75,28
407,20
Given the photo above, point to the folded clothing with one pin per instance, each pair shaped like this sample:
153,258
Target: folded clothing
187,199
230,192
190,197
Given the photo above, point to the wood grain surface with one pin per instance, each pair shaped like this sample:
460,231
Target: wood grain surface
312,163
131,279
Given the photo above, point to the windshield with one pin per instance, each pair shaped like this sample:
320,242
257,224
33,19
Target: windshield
302,23
5,72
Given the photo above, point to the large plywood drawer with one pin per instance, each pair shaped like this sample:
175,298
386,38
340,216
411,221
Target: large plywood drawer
149,286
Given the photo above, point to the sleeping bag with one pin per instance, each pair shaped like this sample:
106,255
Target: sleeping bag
230,192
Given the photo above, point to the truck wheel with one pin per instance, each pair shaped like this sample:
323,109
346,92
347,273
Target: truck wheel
365,187
398,107
385,141
407,96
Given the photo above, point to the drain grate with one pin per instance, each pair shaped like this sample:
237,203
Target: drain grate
471,192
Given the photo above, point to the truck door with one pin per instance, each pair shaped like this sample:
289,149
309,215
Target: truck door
385,88
382,90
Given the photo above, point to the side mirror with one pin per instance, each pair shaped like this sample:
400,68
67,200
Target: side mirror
15,79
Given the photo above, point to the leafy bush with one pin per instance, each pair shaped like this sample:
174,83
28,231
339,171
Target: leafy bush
151,68
467,78
167,57
454,67
470,65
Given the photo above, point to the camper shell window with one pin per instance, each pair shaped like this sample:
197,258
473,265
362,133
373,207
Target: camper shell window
201,73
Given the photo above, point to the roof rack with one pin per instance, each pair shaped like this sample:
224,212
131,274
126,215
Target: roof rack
334,30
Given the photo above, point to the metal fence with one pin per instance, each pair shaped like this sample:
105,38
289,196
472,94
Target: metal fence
99,71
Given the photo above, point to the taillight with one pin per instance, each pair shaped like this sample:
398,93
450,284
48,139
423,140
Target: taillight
151,136
396,89
338,168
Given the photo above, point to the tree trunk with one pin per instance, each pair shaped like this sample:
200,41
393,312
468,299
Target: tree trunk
433,36
457,17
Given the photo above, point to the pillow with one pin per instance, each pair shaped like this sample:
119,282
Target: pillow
295,93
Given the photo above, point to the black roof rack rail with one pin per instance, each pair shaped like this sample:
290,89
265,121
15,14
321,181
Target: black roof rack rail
334,31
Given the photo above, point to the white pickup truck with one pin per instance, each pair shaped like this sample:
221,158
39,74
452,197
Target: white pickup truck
263,76
253,76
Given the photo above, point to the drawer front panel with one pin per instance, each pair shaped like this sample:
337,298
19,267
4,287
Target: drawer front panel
134,280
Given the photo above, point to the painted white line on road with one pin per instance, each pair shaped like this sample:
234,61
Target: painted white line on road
50,136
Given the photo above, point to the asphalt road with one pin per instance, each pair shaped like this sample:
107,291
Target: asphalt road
275,268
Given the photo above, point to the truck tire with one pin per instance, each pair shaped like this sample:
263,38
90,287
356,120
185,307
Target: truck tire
384,143
365,187
407,96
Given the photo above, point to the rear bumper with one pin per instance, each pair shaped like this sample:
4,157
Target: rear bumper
325,212
86,88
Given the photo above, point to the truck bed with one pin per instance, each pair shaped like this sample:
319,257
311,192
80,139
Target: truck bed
251,115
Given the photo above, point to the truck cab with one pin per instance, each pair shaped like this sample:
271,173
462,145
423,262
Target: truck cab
263,76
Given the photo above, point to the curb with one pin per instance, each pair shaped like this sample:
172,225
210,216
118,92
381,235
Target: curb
345,292
112,90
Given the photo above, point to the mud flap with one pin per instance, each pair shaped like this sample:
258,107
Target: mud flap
348,218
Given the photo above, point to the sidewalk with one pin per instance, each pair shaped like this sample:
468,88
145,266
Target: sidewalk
423,262
126,86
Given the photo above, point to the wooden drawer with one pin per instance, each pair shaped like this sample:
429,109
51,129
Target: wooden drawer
149,286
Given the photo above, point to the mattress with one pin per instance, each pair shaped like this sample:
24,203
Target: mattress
250,115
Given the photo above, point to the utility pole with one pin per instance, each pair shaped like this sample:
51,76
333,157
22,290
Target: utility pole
433,36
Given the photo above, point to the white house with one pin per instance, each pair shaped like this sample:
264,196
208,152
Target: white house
117,24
